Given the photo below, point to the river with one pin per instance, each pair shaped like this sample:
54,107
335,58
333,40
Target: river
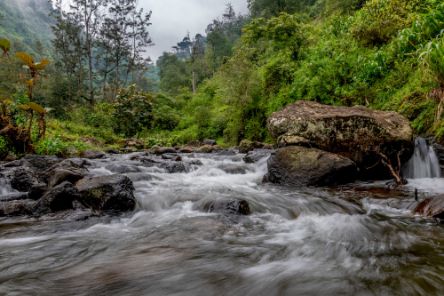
297,241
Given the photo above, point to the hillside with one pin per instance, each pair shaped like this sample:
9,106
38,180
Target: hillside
27,23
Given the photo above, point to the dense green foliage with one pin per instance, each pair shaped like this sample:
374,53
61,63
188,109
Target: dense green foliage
384,54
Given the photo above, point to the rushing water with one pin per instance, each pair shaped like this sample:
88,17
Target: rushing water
298,241
424,162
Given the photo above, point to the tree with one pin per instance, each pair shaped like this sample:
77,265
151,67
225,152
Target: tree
124,36
222,36
68,44
174,74
99,43
87,15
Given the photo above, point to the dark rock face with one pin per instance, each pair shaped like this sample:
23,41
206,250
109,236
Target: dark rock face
226,206
23,179
59,198
431,207
301,166
357,133
112,193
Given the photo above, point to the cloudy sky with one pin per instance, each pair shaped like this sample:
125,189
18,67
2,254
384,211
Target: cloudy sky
172,19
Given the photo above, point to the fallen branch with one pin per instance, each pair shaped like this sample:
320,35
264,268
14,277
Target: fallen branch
396,173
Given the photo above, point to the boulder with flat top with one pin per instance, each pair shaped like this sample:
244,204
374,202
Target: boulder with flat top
358,133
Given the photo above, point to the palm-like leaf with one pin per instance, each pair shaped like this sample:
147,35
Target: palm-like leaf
5,45
41,65
25,58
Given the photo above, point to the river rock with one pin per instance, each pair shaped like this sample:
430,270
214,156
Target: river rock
226,206
173,157
164,150
113,193
135,143
246,146
24,179
121,168
89,154
70,170
174,167
186,150
431,207
17,208
303,166
206,149
40,162
56,199
209,142
354,132
256,155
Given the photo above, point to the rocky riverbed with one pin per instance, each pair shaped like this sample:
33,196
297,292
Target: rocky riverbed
206,224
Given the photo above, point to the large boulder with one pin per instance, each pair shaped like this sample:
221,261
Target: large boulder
301,166
358,133
113,193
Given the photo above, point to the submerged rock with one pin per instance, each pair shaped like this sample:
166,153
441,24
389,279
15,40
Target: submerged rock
357,133
431,207
114,193
225,206
256,155
302,166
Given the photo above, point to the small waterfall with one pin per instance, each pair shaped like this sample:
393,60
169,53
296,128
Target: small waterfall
424,162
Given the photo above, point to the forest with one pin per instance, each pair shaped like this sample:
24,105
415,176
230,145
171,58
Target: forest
89,82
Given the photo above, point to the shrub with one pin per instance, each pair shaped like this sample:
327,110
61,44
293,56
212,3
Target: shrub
133,112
